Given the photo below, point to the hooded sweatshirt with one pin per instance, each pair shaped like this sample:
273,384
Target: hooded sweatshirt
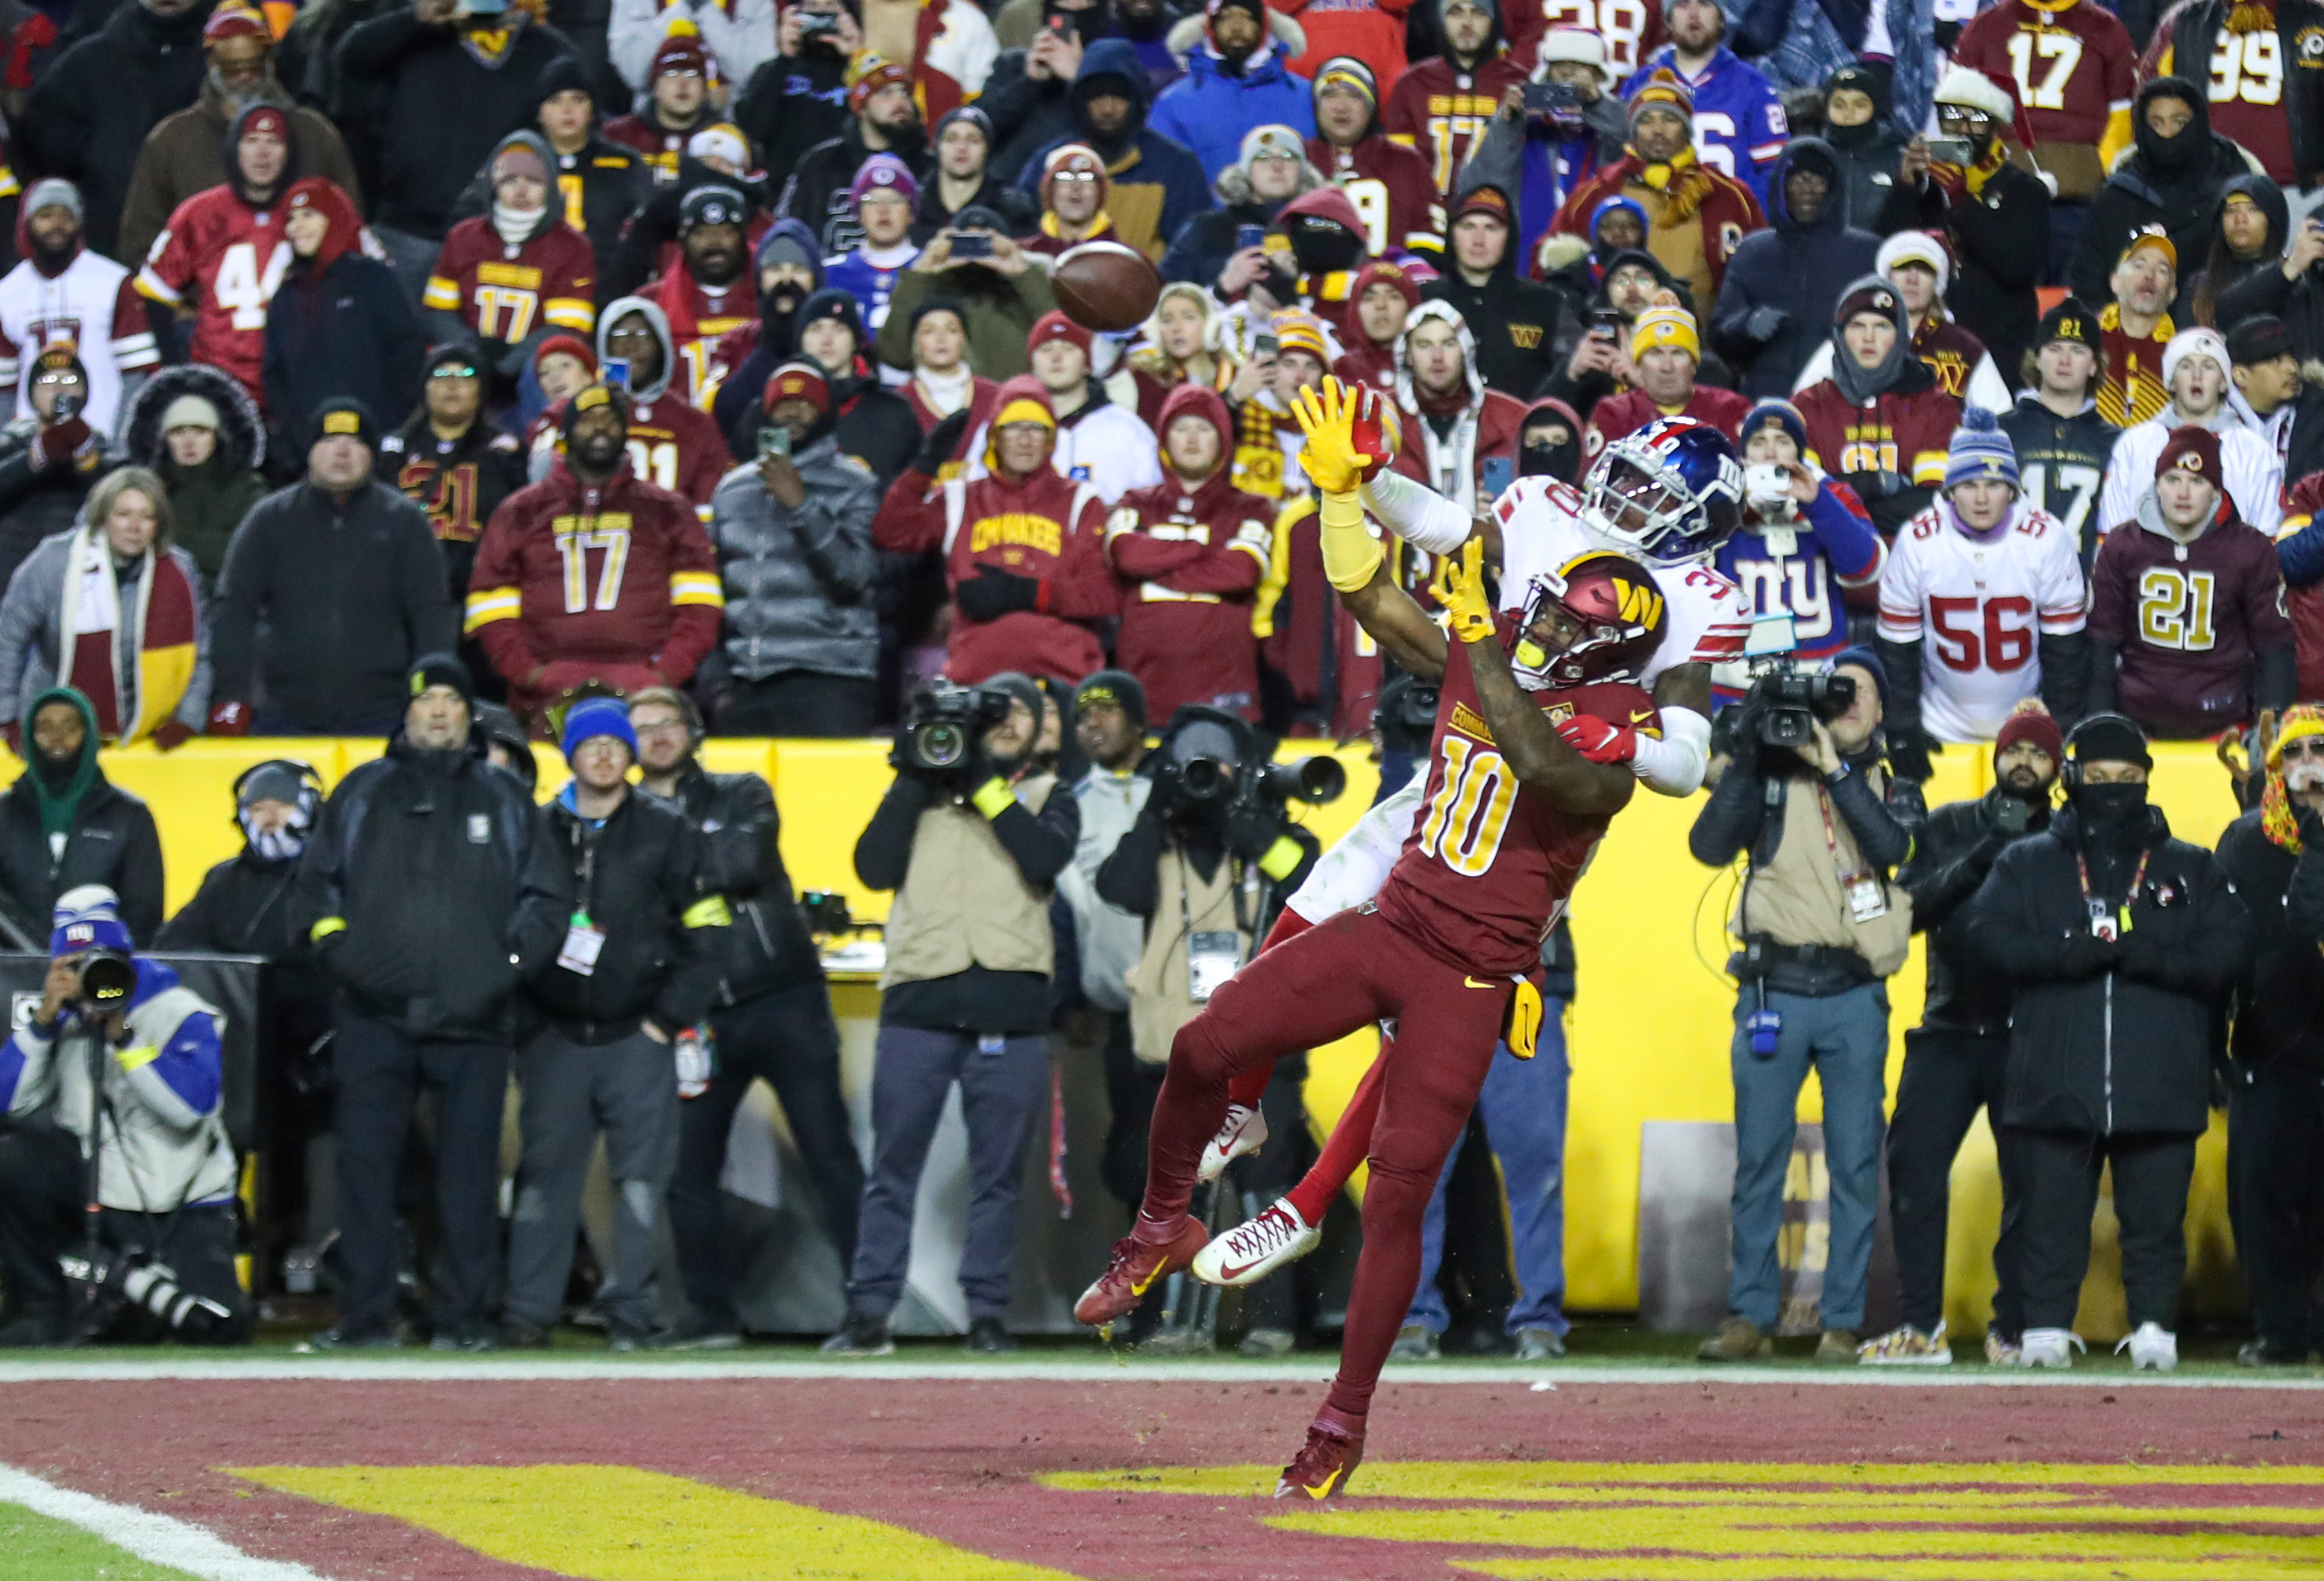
2219,270
2284,130
341,324
1158,184
1041,529
1885,430
1796,269
503,281
2171,181
63,825
1448,440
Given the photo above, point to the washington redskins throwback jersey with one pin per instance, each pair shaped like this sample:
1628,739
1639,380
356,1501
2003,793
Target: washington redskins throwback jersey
1393,190
1979,609
1632,29
1490,863
226,259
504,293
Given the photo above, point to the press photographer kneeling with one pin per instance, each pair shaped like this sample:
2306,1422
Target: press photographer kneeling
971,836
112,1085
1822,926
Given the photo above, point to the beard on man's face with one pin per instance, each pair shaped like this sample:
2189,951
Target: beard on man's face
2026,782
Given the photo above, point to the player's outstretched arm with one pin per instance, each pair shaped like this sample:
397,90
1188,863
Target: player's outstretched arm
1396,621
1526,740
1354,563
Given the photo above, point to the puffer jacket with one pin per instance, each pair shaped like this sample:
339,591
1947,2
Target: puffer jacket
1210,108
208,502
798,583
2174,183
2109,1051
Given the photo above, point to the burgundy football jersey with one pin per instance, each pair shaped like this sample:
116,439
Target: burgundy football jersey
1394,193
224,259
1441,111
1632,29
1490,863
2074,65
2188,619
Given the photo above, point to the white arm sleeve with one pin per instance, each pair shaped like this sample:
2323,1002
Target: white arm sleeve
1675,765
1353,871
1417,513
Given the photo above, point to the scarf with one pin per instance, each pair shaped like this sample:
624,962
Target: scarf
2278,818
1259,456
134,664
1100,224
515,226
1983,169
946,393
1681,182
280,845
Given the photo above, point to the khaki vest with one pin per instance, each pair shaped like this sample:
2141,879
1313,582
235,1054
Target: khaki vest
1161,992
963,904
1797,897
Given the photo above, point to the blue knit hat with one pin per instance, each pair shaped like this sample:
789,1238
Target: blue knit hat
1980,450
597,716
1783,415
1867,660
88,917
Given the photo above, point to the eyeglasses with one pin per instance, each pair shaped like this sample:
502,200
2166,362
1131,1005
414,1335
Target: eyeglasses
1074,176
2305,749
453,371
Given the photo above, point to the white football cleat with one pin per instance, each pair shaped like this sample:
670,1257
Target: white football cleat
1243,1130
2153,1348
2048,1347
1256,1248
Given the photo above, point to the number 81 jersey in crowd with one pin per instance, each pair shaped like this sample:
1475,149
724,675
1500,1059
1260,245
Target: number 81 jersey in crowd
1490,863
1541,526
1979,606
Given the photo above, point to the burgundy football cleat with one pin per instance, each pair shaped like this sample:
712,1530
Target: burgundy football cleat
1334,1448
1134,1268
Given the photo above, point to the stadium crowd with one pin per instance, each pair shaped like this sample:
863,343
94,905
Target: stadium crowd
485,372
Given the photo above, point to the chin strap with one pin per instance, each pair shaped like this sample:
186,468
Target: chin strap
1674,764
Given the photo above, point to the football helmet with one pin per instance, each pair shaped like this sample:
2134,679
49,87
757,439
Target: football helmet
1670,493
1608,617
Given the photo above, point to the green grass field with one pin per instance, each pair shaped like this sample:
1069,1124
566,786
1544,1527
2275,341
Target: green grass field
42,1549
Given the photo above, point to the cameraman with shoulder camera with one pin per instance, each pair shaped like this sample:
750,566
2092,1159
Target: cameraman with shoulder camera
1955,1058
971,836
118,1074
1822,927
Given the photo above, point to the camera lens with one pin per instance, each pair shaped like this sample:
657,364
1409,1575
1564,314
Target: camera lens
942,743
108,979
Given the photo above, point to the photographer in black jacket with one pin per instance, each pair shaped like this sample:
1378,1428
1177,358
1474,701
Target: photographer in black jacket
1208,865
407,892
1955,1058
2119,942
771,1018
2274,857
971,836
620,944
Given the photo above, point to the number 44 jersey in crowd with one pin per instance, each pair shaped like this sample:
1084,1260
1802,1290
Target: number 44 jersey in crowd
1978,603
226,258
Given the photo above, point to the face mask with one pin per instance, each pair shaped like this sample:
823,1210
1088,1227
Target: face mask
2111,808
1323,247
278,845
1548,461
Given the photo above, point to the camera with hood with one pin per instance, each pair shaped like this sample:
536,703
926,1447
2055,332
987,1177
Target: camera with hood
1786,705
945,726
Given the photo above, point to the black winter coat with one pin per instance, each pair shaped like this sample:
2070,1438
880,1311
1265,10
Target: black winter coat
1525,330
246,906
2116,1040
792,104
1029,113
350,330
39,502
2174,184
766,948
2280,1000
2001,247
90,110
1799,271
1198,254
1870,156
351,592
113,843
418,856
460,487
1955,851
2300,303
817,192
427,114
639,878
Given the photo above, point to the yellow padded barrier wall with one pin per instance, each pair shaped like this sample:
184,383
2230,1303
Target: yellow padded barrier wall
1650,1033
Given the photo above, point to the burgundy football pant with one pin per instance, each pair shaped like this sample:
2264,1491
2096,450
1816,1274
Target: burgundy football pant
1306,992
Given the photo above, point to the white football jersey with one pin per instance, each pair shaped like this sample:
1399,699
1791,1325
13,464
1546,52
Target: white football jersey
1979,610
1542,531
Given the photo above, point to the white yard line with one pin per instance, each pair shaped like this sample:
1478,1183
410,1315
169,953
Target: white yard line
159,1539
419,1369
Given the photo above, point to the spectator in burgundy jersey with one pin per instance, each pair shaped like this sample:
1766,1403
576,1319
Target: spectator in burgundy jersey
1181,347
1384,297
1441,105
1879,423
1352,150
678,104
1189,552
2186,627
1668,352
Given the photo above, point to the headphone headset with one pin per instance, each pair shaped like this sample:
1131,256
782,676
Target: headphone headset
308,778
2069,773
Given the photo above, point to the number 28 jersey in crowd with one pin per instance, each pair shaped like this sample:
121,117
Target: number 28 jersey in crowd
1490,863
1979,603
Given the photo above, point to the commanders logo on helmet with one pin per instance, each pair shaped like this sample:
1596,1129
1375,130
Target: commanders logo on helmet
1607,618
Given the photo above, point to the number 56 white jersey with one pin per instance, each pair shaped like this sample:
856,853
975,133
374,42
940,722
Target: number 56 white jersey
1979,606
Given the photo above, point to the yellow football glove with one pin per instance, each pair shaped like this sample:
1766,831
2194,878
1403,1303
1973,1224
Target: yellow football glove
1459,585
1330,458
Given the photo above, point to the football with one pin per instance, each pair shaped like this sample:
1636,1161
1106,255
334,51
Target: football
1105,286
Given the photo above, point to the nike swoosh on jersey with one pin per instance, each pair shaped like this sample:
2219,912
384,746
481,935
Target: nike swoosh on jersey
1467,982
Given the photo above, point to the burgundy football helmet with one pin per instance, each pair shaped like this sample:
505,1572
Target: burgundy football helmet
1607,618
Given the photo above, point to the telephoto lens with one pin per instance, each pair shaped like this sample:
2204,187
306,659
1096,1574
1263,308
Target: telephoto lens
107,978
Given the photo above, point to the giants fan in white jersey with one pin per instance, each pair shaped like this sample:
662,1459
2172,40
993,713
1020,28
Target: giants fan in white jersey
64,294
1666,496
1981,606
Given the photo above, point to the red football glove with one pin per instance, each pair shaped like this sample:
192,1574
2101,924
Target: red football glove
229,719
1599,740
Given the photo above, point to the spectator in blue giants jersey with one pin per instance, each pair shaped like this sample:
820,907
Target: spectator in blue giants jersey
1803,541
1738,121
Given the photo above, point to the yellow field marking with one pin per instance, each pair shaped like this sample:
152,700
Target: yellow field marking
619,1523
1775,1522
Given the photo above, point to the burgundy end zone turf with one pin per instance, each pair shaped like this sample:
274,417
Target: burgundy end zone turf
957,1460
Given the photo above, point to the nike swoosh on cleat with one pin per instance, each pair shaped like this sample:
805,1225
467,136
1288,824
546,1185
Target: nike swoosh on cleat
1325,1491
1140,1287
1234,1271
